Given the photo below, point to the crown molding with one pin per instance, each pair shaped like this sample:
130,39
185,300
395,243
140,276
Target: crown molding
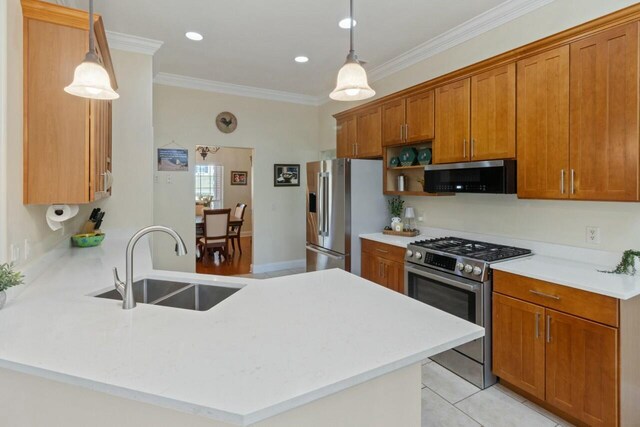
468,30
130,43
186,82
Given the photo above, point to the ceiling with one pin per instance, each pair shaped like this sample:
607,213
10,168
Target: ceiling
253,42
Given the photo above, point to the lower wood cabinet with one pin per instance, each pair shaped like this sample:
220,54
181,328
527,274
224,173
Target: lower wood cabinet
569,363
383,264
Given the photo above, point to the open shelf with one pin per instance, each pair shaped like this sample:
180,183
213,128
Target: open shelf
406,167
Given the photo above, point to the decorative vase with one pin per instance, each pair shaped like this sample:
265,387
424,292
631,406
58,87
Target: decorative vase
3,299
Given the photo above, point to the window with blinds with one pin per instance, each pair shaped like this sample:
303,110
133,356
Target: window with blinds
209,183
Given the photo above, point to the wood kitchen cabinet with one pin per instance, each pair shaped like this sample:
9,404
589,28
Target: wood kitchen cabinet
67,139
543,125
383,264
346,137
369,133
604,152
559,345
453,133
410,119
493,114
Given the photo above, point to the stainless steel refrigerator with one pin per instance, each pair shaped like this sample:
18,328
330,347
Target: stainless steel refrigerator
344,200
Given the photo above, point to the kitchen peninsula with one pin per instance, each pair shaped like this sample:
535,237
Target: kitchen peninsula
322,348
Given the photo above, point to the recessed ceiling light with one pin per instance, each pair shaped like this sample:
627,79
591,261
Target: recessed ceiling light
345,23
301,59
192,35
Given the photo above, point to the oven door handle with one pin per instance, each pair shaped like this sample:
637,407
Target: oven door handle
445,280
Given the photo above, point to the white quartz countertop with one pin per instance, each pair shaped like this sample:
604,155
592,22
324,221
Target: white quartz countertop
568,272
272,346
574,274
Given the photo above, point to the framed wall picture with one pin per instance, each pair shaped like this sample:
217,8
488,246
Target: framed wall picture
239,177
173,159
286,175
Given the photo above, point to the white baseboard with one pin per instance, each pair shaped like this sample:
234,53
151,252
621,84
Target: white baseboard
277,266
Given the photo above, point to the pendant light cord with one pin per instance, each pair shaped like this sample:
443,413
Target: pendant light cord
350,26
92,47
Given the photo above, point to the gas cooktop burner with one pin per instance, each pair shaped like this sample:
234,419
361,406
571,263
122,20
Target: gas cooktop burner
488,252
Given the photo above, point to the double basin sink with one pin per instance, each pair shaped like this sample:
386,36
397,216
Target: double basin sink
184,295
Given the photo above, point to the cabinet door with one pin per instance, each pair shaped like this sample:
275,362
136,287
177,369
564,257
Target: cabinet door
493,114
518,343
420,116
369,131
582,368
346,137
452,122
604,115
543,125
370,267
393,120
394,275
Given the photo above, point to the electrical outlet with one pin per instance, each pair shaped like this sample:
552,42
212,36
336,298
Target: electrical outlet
156,179
593,235
15,252
420,219
169,179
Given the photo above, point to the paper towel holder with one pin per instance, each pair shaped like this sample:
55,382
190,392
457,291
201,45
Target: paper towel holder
57,214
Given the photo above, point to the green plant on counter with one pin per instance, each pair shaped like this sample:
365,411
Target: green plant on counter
627,264
396,205
9,277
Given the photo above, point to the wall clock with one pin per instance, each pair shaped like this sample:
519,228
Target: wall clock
226,122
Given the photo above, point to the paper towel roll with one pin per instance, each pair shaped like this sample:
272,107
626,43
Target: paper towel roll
56,214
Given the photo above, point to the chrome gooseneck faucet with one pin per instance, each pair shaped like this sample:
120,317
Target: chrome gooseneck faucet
126,289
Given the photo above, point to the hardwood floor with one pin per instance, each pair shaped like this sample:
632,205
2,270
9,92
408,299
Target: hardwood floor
240,264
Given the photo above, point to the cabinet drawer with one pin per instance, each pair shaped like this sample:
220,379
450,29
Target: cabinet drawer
390,252
599,308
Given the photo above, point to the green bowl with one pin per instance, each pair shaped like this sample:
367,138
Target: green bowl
88,240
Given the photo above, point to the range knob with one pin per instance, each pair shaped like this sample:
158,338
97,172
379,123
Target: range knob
459,266
468,268
409,253
477,271
418,255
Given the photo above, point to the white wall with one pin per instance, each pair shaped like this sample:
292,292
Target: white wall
560,222
234,159
132,203
280,133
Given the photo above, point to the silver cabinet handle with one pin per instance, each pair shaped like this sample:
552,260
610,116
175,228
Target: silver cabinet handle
401,132
356,149
464,148
573,178
541,294
406,132
537,325
562,181
382,250
548,328
473,143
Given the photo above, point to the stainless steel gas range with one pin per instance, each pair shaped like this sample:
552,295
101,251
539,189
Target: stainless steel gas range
454,275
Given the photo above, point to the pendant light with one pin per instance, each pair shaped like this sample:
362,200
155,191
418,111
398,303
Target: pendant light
90,79
352,82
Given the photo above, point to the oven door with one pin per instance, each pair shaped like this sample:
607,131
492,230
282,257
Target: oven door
455,295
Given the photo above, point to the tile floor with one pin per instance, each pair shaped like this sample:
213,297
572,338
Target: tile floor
450,401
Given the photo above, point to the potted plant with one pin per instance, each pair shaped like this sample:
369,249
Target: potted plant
396,205
8,279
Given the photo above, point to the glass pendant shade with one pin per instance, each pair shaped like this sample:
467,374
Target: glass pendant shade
91,80
352,84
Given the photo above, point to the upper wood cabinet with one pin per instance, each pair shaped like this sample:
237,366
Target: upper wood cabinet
543,125
604,150
493,114
346,137
369,133
518,344
582,368
67,139
410,119
453,109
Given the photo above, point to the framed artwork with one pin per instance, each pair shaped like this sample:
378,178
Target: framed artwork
239,177
226,122
286,175
173,159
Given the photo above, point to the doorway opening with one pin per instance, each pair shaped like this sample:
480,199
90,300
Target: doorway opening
224,188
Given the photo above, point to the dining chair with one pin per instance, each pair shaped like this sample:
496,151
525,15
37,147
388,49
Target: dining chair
234,230
216,232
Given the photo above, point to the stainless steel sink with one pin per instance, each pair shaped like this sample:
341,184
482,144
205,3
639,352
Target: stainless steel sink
175,294
198,297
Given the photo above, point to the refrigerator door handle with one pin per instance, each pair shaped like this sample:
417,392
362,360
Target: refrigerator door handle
325,252
320,205
327,204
